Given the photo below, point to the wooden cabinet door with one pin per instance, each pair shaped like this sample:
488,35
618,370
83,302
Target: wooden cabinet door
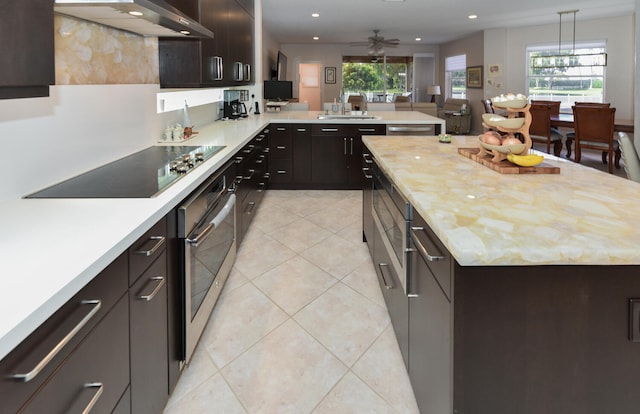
148,329
28,66
430,338
329,159
215,17
179,62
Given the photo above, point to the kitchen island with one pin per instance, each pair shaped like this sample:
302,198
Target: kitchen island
542,272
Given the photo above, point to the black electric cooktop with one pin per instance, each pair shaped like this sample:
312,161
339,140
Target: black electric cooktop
140,175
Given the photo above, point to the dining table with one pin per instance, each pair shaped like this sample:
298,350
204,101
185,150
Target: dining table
566,120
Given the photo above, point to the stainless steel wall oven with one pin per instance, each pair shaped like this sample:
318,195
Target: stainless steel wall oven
207,240
392,217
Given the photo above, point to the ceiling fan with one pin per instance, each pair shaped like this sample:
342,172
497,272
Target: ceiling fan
376,43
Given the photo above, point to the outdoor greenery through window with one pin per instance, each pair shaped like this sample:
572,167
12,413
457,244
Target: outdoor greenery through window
578,77
456,76
362,75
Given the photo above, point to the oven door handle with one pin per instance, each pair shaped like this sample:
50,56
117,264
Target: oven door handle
213,224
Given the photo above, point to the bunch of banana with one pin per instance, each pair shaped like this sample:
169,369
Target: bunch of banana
528,160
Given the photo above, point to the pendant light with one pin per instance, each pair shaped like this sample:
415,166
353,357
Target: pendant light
564,59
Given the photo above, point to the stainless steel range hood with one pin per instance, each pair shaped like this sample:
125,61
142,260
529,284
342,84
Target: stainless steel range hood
149,18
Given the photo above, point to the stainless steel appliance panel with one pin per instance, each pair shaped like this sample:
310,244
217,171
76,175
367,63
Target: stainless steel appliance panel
207,230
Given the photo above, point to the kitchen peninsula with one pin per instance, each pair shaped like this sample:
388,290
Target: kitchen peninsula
539,316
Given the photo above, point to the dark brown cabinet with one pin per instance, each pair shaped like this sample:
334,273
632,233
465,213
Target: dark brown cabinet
83,320
28,67
252,177
280,155
318,156
337,153
225,60
148,331
430,319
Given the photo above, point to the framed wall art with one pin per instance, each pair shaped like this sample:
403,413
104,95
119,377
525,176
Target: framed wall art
330,74
474,77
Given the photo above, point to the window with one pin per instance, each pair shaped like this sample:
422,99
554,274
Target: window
579,77
455,68
380,79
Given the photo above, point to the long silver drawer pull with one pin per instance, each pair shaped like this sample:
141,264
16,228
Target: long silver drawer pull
351,145
345,145
367,158
409,129
281,147
281,129
329,129
365,170
250,207
383,267
159,242
423,251
213,224
96,396
250,176
68,337
281,172
366,129
160,281
302,129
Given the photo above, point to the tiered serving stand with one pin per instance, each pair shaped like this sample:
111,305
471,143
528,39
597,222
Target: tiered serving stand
512,124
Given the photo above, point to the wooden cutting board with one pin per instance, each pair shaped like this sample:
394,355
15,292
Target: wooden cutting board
505,167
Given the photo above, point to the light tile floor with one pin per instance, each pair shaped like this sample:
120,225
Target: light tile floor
301,325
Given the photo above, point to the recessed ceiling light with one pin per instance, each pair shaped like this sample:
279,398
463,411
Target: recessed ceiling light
473,16
316,38
135,13
418,39
315,14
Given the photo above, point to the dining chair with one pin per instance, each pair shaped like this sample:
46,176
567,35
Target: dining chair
555,105
594,128
540,129
401,98
571,135
629,157
488,106
357,100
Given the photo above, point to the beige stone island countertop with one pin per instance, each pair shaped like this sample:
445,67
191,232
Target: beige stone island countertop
580,216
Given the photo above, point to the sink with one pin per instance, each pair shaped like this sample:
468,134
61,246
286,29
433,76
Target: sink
348,117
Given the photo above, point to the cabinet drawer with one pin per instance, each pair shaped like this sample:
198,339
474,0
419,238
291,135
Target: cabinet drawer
146,249
372,130
441,265
97,371
107,288
330,129
280,147
280,171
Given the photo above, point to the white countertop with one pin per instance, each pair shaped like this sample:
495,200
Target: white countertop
581,216
51,248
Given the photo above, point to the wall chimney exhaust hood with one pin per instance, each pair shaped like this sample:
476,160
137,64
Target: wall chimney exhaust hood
143,17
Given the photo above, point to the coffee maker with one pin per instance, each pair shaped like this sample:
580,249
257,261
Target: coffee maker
234,106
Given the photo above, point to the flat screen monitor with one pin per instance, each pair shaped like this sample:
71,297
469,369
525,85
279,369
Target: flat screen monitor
282,67
278,90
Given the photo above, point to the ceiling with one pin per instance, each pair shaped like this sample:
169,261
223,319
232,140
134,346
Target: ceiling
434,21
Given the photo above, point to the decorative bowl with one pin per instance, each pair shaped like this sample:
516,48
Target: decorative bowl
494,120
504,149
510,101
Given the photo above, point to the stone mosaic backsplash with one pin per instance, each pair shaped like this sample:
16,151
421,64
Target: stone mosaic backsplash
90,53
